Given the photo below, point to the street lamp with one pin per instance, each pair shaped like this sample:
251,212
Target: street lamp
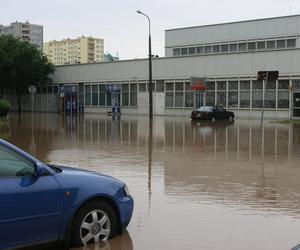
150,68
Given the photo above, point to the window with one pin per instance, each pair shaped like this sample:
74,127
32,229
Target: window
224,48
280,44
283,84
233,85
221,98
244,99
125,99
176,52
169,99
283,99
233,47
102,95
207,49
189,99
261,45
242,46
192,50
169,86
257,85
210,98
14,165
88,100
271,44
257,99
271,85
183,51
210,85
244,85
270,99
233,94
291,43
133,94
216,48
199,50
221,85
94,95
142,87
251,46
160,86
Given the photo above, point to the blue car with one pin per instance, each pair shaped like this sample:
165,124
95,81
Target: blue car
42,203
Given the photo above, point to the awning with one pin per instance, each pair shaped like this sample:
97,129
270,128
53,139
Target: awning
198,87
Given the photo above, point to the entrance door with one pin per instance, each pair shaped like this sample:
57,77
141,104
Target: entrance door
199,100
296,105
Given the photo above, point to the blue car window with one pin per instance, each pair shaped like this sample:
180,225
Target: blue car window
13,164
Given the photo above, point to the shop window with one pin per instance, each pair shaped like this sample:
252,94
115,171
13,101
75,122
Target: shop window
257,97
270,99
283,99
271,44
160,86
221,99
179,86
210,98
233,47
257,85
183,51
216,48
133,95
192,50
210,85
169,99
221,85
142,87
178,99
189,99
94,95
271,85
125,93
199,50
224,48
232,99
291,43
233,85
261,45
244,85
283,84
88,98
242,46
169,86
176,52
251,45
207,49
280,44
244,99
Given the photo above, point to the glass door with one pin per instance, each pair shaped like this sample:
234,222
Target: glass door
199,99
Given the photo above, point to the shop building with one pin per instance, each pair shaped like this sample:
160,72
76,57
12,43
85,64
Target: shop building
205,65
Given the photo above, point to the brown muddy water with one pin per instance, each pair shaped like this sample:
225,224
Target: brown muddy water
202,185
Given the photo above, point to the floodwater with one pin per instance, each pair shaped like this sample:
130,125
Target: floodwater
201,185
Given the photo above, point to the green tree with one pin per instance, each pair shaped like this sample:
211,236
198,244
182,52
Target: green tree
22,65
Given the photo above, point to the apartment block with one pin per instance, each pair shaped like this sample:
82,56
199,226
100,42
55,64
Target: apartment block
73,51
32,33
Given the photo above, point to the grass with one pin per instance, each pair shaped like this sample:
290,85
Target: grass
286,122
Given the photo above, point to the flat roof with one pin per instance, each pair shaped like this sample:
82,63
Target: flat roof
235,22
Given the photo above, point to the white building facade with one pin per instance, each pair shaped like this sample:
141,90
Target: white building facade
31,33
222,59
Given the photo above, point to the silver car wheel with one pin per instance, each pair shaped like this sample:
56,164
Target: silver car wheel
95,227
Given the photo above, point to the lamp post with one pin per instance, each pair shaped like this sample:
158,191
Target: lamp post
150,68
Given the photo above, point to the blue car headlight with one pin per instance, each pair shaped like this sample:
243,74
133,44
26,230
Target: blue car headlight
126,190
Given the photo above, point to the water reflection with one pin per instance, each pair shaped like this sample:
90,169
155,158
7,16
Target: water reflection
193,176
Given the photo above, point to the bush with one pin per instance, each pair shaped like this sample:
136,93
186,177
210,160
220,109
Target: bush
4,108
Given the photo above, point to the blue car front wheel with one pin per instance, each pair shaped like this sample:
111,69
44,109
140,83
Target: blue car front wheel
94,222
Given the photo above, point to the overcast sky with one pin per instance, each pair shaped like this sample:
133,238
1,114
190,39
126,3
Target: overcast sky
126,32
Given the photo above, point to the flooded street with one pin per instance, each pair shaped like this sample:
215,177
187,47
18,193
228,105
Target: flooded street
202,185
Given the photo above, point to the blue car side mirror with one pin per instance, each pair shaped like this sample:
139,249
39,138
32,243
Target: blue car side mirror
38,170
